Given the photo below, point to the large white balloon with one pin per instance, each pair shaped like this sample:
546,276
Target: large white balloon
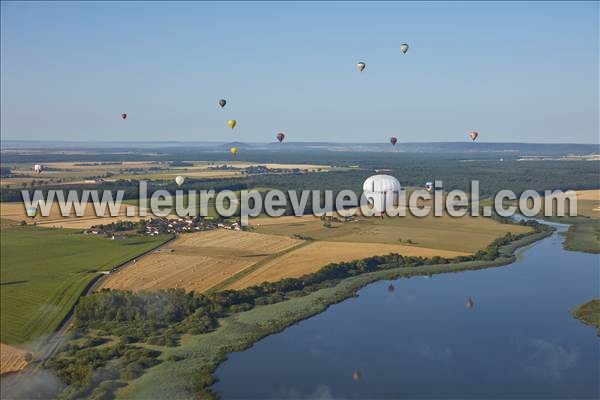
179,180
404,48
361,66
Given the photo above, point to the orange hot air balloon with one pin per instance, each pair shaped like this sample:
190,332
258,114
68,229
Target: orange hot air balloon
280,136
473,135
124,116
393,140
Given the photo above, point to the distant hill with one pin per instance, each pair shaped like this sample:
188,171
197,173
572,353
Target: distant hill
239,145
511,150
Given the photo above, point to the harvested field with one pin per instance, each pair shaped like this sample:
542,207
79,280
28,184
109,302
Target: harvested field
304,167
16,212
466,234
12,359
202,173
316,255
588,194
199,261
588,203
74,173
227,259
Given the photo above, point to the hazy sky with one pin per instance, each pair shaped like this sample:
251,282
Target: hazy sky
513,71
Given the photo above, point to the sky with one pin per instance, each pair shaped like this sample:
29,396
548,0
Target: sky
513,71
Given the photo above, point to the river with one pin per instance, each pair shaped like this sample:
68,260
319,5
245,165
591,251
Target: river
518,340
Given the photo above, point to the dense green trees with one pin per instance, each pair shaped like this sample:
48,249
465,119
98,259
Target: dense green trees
412,169
97,372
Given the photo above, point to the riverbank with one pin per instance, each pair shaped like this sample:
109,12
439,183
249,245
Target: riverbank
199,355
589,314
583,235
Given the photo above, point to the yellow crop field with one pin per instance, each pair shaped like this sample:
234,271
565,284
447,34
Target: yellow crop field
465,234
588,195
74,173
17,212
198,261
588,203
316,255
12,359
231,259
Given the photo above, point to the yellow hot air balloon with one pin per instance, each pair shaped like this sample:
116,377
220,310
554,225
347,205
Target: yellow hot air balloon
232,123
234,150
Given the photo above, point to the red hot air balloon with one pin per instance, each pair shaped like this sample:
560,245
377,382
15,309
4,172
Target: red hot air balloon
473,135
394,140
124,116
280,136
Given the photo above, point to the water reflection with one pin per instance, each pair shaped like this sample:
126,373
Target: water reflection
519,342
470,303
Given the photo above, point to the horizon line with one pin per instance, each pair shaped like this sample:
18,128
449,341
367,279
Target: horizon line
277,143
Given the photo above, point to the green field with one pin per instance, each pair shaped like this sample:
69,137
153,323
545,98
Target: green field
43,272
584,235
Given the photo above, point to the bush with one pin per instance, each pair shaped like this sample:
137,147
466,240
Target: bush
173,358
132,371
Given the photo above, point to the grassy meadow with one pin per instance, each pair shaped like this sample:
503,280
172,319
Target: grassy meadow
43,272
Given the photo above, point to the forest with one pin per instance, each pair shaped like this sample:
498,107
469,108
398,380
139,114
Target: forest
410,169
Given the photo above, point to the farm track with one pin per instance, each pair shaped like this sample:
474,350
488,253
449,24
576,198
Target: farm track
254,267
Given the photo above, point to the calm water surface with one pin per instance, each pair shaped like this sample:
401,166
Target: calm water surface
518,341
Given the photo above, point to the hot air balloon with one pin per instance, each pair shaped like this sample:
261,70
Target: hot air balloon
232,123
280,136
391,288
393,140
234,150
473,135
356,375
179,180
470,303
124,116
38,168
403,48
361,66
428,186
222,102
